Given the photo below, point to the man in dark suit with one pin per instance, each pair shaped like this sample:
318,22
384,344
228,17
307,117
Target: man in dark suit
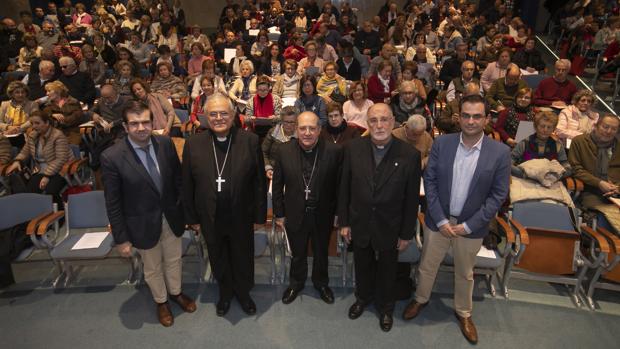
224,194
309,169
377,208
466,181
142,183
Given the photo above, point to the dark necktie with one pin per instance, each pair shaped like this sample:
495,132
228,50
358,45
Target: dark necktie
152,168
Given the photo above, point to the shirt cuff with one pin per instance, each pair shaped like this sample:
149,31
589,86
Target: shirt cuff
442,222
466,228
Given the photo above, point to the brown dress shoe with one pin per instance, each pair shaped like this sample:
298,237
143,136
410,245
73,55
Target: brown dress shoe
468,328
164,314
413,309
187,304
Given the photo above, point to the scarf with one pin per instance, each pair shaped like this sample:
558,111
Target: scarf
309,102
245,92
513,119
385,83
278,134
604,152
532,151
263,107
160,119
408,108
289,82
336,130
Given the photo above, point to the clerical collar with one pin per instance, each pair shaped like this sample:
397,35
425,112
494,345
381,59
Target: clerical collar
220,138
309,151
384,146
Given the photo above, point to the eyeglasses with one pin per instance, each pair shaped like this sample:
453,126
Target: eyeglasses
63,66
475,117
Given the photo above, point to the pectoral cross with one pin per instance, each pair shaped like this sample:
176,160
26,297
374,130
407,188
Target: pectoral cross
219,181
307,190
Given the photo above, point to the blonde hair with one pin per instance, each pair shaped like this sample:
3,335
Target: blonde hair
57,87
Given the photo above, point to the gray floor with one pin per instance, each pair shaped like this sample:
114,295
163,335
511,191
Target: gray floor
94,314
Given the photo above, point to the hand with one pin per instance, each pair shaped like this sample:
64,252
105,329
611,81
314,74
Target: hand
107,127
43,183
386,100
12,130
530,70
124,249
98,119
345,232
194,227
558,104
166,131
447,231
511,142
327,100
15,166
59,117
402,245
366,51
455,118
500,108
280,222
459,229
269,174
607,188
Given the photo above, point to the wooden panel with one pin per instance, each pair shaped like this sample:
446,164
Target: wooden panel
549,252
614,274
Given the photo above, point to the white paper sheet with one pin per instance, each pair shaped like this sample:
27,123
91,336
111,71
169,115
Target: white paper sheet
229,54
614,201
526,129
486,253
90,240
158,132
13,135
253,32
288,101
88,124
422,192
568,142
274,30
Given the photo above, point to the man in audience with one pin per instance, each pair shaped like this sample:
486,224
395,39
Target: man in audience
556,91
457,85
108,111
36,82
307,212
225,208
448,121
379,195
368,40
452,67
81,86
142,183
466,181
388,53
413,131
47,37
503,92
595,159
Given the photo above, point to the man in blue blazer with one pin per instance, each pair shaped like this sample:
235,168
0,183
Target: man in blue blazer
466,181
142,182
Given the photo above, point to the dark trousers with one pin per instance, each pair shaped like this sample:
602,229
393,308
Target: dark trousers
298,241
375,274
232,262
53,188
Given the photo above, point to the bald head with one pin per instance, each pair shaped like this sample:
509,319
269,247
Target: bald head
308,130
308,117
513,74
380,123
472,88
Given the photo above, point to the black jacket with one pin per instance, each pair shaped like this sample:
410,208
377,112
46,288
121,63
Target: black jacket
354,73
81,86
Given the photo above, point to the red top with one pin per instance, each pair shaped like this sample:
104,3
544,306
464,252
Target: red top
376,90
549,91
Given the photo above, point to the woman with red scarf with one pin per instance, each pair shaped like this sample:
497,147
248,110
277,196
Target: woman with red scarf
264,108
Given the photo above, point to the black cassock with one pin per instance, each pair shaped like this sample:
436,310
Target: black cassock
226,217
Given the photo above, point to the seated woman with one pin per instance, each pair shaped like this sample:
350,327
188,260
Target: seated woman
15,113
271,62
167,84
244,86
29,52
410,72
508,120
337,130
287,83
489,52
382,86
194,63
260,45
234,66
45,152
407,103
528,58
309,100
497,69
208,70
124,73
540,145
577,118
282,132
263,108
165,121
199,104
331,86
65,110
312,63
92,65
354,110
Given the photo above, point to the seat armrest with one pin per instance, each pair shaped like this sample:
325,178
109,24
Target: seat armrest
503,225
525,238
76,165
31,228
612,238
600,239
48,221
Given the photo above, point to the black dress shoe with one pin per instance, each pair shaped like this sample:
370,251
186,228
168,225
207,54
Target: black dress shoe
222,307
385,322
326,294
290,294
356,310
248,307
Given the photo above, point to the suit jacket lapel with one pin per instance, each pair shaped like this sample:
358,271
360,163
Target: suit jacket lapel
207,149
368,164
132,158
161,161
483,155
234,157
320,175
454,146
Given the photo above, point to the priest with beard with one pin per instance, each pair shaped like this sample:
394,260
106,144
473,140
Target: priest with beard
224,195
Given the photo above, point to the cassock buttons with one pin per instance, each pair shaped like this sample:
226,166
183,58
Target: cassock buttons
396,164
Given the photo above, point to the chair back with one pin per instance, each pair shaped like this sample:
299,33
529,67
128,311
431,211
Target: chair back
534,80
20,208
87,210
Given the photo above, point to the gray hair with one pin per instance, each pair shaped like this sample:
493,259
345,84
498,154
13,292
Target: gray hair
218,95
564,62
416,122
408,83
68,60
45,64
583,93
247,63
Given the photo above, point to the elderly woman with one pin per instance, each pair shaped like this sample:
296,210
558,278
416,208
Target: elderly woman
355,109
65,110
508,120
167,84
287,83
497,69
489,52
337,130
198,107
309,100
123,75
208,70
29,52
92,65
577,118
407,102
48,150
540,145
14,113
282,132
264,108
382,86
410,71
165,121
331,86
81,18
262,43
311,61
413,131
244,87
